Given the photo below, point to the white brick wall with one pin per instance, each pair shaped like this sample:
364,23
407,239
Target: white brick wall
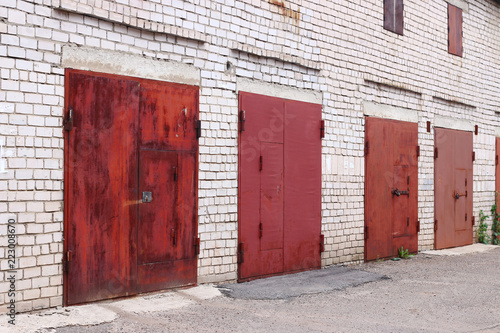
336,48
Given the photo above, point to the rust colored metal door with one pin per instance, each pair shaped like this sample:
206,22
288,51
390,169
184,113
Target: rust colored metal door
127,186
279,186
452,188
391,187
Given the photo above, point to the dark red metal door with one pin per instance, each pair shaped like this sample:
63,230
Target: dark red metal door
101,178
279,186
302,186
453,188
391,187
130,186
261,187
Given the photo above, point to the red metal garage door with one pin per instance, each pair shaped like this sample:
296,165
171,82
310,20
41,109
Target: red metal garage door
279,186
130,186
391,187
453,188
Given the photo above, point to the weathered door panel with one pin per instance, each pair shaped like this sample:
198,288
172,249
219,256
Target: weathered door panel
453,188
391,187
167,115
157,231
302,158
101,176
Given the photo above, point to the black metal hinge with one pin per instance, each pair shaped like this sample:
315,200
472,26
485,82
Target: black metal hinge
418,151
496,160
418,226
198,129
366,232
242,120
473,156
175,174
435,225
321,243
66,260
68,122
473,220
260,163
197,245
435,152
260,230
241,254
367,147
322,129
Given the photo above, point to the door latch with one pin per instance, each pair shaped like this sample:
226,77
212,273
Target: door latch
147,197
458,195
398,193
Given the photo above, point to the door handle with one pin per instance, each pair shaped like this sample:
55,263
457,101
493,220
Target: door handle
458,195
147,197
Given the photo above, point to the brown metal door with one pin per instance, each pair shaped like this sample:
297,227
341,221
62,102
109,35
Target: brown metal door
131,186
279,186
391,187
453,188
302,186
100,187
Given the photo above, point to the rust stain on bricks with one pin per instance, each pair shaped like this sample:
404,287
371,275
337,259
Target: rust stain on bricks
286,11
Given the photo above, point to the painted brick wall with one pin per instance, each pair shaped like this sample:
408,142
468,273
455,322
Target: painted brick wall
337,48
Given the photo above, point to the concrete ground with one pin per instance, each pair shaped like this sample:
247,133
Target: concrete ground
436,291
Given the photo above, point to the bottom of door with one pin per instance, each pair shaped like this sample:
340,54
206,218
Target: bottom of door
165,275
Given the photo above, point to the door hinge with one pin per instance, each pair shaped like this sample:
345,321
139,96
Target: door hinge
198,129
260,230
465,216
366,232
473,220
473,156
242,120
496,160
175,174
367,148
196,245
476,129
321,243
173,235
408,181
322,129
435,152
407,221
241,254
435,225
68,122
260,163
418,226
418,151
66,260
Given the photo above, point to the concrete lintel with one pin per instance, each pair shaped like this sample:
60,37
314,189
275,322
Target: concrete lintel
275,90
453,123
389,112
462,4
121,63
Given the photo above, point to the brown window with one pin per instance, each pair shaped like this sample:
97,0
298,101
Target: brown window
393,16
454,30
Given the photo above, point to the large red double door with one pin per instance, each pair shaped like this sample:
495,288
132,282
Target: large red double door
130,186
279,186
